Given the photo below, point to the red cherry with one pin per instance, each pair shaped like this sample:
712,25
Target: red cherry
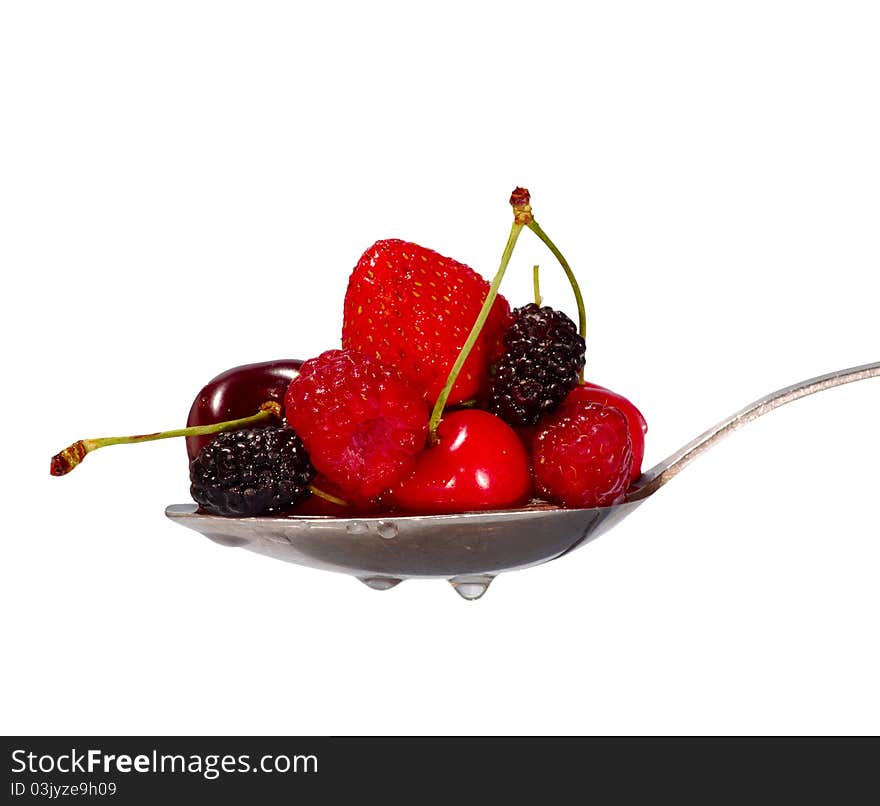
638,426
239,392
479,463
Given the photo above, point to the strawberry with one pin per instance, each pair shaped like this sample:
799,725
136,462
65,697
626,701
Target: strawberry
413,309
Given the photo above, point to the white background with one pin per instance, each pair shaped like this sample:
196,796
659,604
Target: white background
185,187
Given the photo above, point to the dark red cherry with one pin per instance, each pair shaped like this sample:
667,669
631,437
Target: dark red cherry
638,426
478,463
239,392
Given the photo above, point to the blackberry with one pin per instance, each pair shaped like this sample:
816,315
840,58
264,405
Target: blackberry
543,354
251,472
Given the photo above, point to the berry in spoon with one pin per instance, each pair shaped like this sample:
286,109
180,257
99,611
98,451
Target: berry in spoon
253,471
543,355
582,456
360,421
478,463
412,308
638,426
238,392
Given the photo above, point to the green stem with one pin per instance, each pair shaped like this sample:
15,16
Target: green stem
535,227
537,286
437,413
62,463
582,316
327,497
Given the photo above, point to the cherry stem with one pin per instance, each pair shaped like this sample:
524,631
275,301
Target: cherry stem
535,227
327,497
62,463
437,413
537,286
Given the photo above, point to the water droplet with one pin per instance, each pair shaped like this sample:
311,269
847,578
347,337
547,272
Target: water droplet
386,530
471,587
357,528
380,583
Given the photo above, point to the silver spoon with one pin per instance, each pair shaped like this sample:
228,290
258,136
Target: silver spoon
471,548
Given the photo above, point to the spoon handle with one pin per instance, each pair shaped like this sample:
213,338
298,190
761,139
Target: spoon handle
651,480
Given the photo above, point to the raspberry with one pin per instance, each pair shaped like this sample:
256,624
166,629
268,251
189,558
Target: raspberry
251,472
360,421
638,426
543,356
582,456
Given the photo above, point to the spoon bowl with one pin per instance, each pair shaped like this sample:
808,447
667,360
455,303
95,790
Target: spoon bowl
470,548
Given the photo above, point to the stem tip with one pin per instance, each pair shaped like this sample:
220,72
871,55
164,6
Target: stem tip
273,407
522,210
62,463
